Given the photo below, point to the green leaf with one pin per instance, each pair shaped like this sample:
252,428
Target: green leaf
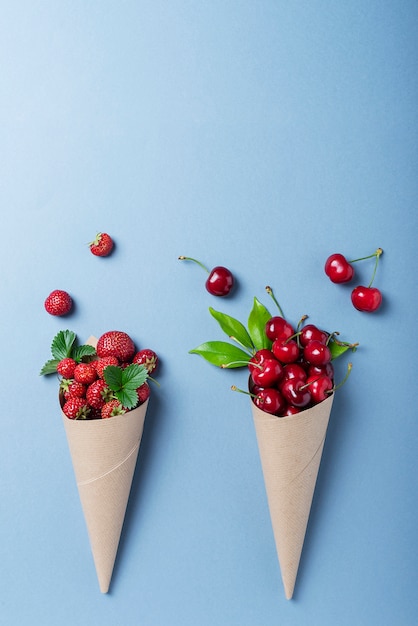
50,367
113,377
62,344
233,328
340,347
222,354
134,376
257,320
127,397
79,352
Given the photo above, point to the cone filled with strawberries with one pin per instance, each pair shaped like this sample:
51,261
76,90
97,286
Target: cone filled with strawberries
291,389
104,396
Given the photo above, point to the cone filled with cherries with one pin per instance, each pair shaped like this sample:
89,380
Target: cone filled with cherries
104,395
291,388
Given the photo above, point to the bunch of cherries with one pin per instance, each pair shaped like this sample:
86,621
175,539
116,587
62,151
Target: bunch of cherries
296,373
339,270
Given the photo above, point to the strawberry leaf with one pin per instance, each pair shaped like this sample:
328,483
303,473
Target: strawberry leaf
127,397
113,377
79,352
233,328
134,376
222,354
50,367
62,344
257,321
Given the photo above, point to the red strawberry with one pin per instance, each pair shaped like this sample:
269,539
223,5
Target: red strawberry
143,393
72,388
148,358
102,245
76,408
112,408
66,367
101,364
58,303
85,373
116,343
98,393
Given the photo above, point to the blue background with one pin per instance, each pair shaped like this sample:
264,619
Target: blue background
259,135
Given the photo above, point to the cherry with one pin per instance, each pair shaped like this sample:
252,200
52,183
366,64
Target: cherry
220,280
278,328
290,410
286,351
267,373
321,370
338,269
310,332
319,386
366,299
294,370
270,401
317,353
296,392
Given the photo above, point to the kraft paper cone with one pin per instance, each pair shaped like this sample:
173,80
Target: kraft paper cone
290,452
104,454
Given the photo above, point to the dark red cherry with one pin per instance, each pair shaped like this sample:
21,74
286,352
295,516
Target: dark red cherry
294,370
319,386
322,370
220,281
366,299
270,401
317,353
278,328
311,332
296,392
286,351
338,269
267,373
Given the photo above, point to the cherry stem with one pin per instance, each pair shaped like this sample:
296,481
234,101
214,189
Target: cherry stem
377,254
245,348
271,294
188,258
240,363
344,380
247,393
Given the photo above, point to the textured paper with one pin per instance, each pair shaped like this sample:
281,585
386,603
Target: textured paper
104,454
290,452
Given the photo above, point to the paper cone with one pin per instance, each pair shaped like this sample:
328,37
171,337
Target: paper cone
104,454
290,452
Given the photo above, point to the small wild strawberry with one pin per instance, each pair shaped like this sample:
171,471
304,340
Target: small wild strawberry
98,393
58,303
72,388
76,408
101,364
85,373
102,245
112,408
148,358
116,343
66,367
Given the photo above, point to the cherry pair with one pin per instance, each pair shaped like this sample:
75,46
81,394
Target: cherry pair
339,270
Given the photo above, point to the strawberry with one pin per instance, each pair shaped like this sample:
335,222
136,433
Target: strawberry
58,303
112,408
72,388
66,367
102,245
101,364
85,373
98,393
143,393
76,408
116,343
148,358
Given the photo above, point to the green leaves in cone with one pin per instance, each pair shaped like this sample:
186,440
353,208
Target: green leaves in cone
257,321
125,382
63,346
222,354
233,328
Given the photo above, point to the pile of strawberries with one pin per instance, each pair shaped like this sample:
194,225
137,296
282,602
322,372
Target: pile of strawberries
101,382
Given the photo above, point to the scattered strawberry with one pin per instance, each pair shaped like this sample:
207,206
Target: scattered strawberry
58,303
143,393
102,245
76,408
115,343
66,367
102,363
98,393
85,373
72,388
112,408
148,358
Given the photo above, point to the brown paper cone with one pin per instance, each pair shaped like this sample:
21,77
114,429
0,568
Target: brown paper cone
290,452
104,455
